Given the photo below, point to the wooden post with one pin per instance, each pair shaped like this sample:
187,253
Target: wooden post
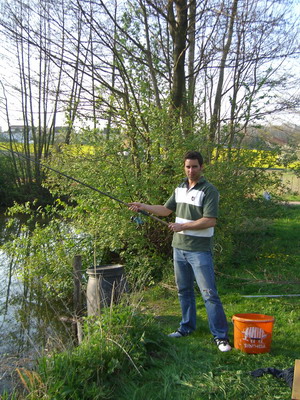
296,381
77,298
77,273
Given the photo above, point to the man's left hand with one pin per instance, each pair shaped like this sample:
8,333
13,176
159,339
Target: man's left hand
175,227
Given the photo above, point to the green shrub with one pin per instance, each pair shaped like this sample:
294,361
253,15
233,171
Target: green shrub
8,189
100,228
119,340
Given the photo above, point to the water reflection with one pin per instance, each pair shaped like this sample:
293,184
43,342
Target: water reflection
9,286
29,326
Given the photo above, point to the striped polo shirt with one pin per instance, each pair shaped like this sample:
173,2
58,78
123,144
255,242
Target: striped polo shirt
202,200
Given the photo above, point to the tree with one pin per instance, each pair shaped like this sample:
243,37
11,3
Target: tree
27,26
226,44
254,56
119,65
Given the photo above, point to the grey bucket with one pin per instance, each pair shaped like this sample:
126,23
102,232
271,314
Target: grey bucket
106,284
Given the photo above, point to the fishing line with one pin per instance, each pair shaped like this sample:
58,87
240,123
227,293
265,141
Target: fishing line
85,184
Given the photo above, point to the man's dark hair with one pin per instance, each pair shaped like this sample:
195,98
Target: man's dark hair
194,155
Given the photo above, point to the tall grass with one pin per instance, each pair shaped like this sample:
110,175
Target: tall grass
120,342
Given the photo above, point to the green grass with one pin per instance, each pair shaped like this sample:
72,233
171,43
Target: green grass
266,262
291,196
196,370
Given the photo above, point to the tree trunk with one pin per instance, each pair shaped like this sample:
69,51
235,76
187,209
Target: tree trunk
178,29
215,118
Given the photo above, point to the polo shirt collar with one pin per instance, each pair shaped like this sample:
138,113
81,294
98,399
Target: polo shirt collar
200,181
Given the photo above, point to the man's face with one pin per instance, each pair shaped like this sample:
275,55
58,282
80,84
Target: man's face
193,170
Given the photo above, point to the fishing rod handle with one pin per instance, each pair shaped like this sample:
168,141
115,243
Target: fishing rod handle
144,213
153,217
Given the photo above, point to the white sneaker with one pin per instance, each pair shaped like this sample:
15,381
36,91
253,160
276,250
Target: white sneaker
176,334
223,344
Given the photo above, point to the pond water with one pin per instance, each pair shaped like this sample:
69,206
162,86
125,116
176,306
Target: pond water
28,326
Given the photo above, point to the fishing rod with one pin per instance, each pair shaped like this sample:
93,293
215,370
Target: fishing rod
86,185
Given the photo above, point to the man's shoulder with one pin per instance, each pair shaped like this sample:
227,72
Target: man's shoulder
182,184
204,184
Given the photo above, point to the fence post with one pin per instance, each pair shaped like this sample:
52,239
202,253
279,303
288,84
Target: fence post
77,296
77,274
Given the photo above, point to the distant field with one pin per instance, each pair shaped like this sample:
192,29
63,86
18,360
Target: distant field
59,147
262,159
292,181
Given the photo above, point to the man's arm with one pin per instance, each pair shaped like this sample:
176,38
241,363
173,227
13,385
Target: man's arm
159,210
201,223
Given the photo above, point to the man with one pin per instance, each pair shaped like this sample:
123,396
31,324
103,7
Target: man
195,202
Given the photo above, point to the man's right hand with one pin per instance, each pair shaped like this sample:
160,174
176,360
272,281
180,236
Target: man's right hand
152,209
136,206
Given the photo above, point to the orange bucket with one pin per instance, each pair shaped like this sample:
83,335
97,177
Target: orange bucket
253,332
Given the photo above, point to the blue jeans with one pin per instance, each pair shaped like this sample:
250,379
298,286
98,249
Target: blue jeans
191,265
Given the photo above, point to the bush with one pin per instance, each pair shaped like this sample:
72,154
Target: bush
17,190
129,168
119,340
8,189
241,199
